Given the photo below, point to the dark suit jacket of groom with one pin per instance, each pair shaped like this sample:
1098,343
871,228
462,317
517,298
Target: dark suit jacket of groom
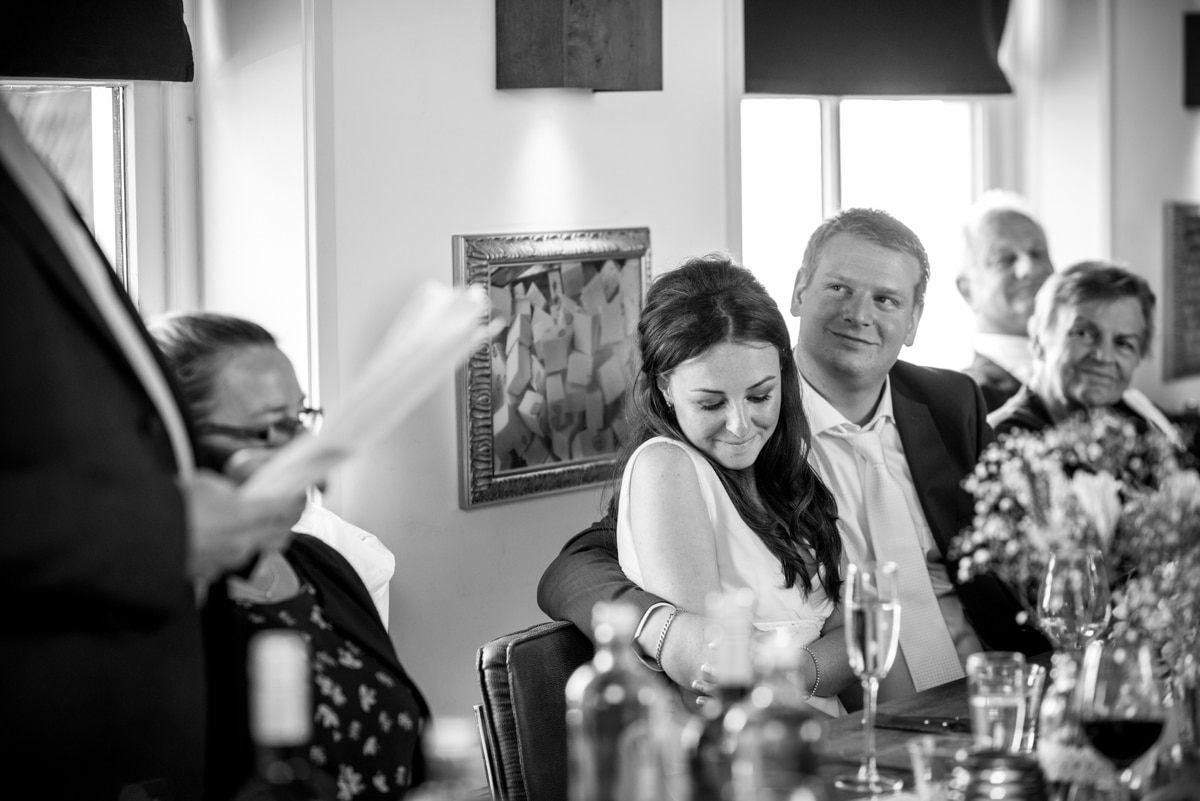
942,422
101,671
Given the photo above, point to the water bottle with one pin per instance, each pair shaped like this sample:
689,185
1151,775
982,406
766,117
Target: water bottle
281,722
779,738
612,704
710,739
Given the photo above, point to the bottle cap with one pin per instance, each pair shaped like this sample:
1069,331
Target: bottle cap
617,620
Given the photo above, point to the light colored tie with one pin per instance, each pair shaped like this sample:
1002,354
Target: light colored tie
924,638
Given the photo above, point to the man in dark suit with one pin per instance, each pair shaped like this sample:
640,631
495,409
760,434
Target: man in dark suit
859,296
1006,259
109,533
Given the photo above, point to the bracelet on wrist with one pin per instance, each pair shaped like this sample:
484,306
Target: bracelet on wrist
662,637
817,668
643,656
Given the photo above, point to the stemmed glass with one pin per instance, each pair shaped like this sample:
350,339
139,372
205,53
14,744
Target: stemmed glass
1074,598
1120,703
871,605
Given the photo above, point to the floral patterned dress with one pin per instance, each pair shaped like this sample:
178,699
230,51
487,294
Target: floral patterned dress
366,721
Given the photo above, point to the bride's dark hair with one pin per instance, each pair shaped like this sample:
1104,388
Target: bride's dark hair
702,303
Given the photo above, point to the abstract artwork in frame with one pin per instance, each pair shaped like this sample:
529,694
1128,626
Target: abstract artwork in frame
541,404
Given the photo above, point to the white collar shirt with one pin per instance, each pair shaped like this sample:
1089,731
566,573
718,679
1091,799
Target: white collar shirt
835,461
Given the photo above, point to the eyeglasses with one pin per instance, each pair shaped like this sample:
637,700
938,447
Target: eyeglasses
277,432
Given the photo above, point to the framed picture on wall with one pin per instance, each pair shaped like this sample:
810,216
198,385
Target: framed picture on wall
1181,291
541,404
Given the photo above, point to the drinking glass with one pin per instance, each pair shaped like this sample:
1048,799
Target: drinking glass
1074,601
1035,688
871,605
1119,703
996,695
939,765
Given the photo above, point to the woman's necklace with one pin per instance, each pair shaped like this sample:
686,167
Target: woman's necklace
273,580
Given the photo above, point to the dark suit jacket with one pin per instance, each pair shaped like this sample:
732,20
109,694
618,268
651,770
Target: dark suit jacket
998,384
943,426
101,679
941,419
345,602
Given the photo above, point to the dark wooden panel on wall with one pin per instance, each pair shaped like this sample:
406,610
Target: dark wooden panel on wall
609,45
1181,291
1191,60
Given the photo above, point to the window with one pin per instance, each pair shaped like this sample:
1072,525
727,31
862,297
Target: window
79,131
912,158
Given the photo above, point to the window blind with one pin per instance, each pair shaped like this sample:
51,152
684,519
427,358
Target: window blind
95,40
874,47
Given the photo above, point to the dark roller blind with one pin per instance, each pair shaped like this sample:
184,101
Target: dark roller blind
95,39
874,47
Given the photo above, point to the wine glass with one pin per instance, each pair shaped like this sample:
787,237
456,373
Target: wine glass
871,604
1120,703
1074,600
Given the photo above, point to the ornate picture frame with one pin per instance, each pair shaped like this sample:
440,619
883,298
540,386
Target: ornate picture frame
541,404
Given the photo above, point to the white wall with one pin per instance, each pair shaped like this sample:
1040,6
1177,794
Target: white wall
1105,140
1156,156
425,147
251,142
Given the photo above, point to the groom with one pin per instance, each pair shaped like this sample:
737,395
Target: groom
859,295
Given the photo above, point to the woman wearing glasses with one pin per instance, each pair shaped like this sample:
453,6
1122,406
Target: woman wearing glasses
245,402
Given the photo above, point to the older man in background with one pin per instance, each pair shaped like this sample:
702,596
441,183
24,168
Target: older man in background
1005,262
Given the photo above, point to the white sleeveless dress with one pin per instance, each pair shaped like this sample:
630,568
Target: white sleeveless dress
743,560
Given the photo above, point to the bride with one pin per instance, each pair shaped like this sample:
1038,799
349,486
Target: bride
716,491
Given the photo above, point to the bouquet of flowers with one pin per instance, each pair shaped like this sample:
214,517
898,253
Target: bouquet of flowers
1093,482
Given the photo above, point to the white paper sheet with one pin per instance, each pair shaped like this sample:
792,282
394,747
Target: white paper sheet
432,334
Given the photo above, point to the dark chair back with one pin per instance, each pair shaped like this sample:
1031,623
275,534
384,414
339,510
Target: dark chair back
523,679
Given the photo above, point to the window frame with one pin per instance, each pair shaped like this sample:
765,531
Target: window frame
155,250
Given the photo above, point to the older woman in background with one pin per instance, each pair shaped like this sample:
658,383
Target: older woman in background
1091,327
246,401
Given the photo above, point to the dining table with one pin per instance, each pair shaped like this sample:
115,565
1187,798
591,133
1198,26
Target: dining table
939,710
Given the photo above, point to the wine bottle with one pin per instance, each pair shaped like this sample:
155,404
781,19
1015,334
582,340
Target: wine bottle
778,747
281,722
710,739
612,703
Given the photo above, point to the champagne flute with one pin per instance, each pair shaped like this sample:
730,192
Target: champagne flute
1074,600
1120,703
871,604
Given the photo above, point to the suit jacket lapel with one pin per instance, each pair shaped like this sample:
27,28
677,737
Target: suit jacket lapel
28,225
932,467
